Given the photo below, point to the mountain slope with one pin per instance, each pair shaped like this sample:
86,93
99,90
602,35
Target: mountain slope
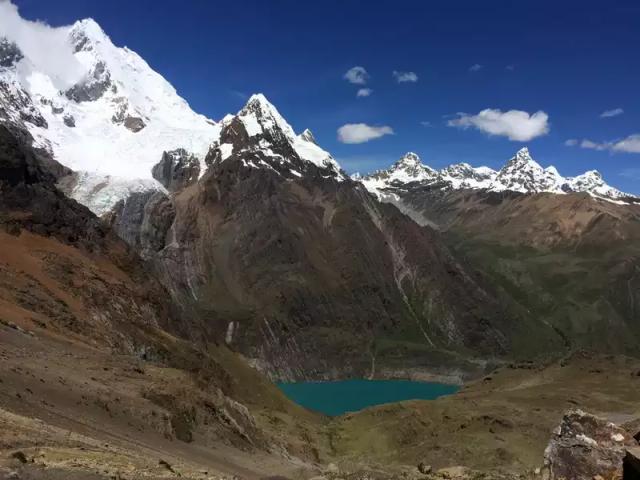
298,267
571,259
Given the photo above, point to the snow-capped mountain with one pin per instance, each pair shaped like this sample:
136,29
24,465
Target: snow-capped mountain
110,122
520,174
264,139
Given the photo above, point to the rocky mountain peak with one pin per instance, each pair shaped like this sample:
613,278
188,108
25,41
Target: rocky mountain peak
261,118
408,160
522,160
523,174
259,136
85,33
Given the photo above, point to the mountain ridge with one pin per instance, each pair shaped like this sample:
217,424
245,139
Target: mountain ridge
520,174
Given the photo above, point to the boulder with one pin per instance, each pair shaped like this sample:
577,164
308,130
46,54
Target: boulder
584,446
135,124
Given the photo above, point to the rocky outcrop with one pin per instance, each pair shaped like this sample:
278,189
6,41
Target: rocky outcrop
177,169
585,447
10,54
98,81
135,124
28,185
143,220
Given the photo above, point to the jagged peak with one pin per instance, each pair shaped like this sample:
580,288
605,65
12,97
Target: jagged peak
521,160
258,102
409,160
266,115
90,27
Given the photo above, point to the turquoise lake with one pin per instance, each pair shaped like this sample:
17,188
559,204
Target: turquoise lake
336,398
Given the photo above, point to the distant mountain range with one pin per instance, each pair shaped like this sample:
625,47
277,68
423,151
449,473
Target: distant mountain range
520,174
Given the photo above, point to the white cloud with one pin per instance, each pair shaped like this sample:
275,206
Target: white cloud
357,75
425,123
402,77
593,145
612,113
516,125
45,46
475,67
364,92
572,142
630,144
361,132
510,68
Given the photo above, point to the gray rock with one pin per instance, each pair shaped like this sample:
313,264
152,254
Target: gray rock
143,220
69,121
10,54
585,446
177,169
424,468
92,88
135,124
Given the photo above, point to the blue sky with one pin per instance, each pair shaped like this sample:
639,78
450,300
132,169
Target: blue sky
571,60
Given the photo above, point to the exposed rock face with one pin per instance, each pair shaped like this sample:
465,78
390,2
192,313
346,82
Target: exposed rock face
69,121
585,446
135,124
17,106
143,220
177,169
10,54
28,184
93,87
